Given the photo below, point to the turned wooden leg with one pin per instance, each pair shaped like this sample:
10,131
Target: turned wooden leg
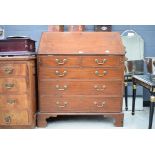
119,120
41,120
152,102
133,98
126,95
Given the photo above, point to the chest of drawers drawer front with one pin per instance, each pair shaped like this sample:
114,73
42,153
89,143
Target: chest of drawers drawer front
80,104
59,61
13,85
8,69
64,87
81,73
13,102
14,118
100,61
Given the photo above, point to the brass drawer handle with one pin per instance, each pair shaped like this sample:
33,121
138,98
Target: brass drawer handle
102,88
9,85
7,119
98,74
61,62
8,70
59,88
61,105
61,74
100,62
99,105
11,101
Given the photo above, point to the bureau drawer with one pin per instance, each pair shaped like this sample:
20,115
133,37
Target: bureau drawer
13,102
59,87
100,61
12,69
80,104
13,85
81,73
14,118
59,61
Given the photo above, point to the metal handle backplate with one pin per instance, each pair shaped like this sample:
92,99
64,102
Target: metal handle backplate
61,62
61,105
100,75
8,70
100,62
100,88
11,101
99,105
61,88
7,119
61,74
9,85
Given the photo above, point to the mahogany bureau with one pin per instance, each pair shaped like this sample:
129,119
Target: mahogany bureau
17,92
80,73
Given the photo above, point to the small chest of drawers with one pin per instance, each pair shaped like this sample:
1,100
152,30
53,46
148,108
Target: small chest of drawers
79,82
17,92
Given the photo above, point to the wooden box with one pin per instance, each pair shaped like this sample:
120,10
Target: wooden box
17,44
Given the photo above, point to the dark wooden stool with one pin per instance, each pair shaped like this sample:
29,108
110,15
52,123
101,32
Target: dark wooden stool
144,81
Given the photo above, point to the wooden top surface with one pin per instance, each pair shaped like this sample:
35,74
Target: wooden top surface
81,43
16,58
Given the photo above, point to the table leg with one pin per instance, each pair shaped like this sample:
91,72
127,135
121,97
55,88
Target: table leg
152,102
133,98
126,96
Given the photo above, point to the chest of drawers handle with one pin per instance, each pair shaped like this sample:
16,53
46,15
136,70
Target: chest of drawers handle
60,88
9,85
99,105
61,62
64,104
61,74
102,88
7,119
8,70
100,75
11,101
100,62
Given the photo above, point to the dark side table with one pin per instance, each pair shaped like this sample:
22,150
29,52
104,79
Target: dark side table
147,82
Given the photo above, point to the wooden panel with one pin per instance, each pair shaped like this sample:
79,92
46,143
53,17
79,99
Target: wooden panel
14,118
76,28
58,88
12,69
13,102
81,73
59,61
80,104
100,61
13,85
56,28
81,43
